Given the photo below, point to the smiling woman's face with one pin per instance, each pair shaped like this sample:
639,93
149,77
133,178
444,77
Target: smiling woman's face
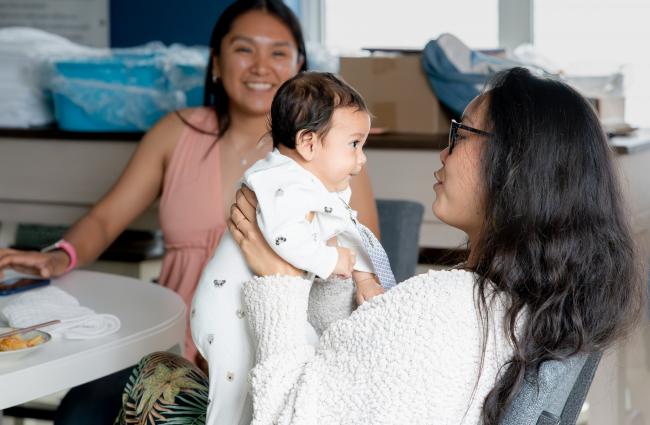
257,56
459,185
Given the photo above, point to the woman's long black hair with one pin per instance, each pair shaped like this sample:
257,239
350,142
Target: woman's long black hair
556,239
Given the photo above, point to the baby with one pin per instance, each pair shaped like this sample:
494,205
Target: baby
319,125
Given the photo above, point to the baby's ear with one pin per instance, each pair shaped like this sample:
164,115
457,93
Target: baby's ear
307,144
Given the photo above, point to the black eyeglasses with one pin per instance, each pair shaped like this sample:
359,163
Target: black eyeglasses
453,133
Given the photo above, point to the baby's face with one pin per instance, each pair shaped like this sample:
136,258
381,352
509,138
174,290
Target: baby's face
342,154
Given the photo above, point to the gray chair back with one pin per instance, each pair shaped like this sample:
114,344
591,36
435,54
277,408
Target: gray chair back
399,224
556,396
578,394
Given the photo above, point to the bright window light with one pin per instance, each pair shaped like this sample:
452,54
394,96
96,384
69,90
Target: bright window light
592,37
350,25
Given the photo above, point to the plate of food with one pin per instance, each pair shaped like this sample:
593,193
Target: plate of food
17,346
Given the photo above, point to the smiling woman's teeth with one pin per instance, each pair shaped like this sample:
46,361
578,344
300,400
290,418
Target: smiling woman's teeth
259,86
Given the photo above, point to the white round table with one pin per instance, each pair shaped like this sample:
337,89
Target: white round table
153,319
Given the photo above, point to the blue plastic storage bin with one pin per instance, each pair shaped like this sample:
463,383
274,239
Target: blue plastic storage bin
122,92
191,81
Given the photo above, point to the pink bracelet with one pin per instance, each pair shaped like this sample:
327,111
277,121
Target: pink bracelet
66,247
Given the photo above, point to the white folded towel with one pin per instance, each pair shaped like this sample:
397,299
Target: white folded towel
52,303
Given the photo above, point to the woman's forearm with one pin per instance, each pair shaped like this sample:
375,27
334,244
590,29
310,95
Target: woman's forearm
90,237
277,313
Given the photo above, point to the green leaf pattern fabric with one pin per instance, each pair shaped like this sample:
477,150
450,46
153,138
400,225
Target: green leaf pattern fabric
164,389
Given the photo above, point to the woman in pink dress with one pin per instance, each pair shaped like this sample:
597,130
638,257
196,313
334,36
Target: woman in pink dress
192,160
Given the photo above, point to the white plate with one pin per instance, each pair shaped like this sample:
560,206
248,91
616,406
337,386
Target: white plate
17,354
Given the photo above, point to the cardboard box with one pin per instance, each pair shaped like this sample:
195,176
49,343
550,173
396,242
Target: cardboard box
610,109
397,93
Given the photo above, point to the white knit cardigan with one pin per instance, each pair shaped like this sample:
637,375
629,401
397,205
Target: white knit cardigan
410,356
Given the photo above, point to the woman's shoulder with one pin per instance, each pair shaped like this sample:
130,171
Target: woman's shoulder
437,306
200,115
447,290
174,122
429,293
167,131
441,281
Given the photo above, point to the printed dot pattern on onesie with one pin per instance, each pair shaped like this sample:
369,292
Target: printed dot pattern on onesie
240,313
218,283
280,239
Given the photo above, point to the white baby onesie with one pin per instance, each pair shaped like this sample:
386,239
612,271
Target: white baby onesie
286,194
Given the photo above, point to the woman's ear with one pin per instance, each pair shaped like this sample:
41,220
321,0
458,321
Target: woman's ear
307,144
301,60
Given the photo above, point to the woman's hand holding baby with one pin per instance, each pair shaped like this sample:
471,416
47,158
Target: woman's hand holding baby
368,286
245,231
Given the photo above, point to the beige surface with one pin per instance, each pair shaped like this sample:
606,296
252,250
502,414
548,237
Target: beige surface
56,181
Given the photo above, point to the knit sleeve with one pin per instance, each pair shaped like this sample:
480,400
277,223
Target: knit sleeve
277,314
411,355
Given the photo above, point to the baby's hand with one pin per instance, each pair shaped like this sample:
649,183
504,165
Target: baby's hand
345,263
367,286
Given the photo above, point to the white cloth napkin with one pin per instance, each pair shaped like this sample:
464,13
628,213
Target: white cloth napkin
52,303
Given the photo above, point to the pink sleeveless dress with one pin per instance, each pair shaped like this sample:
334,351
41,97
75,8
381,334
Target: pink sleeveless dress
191,215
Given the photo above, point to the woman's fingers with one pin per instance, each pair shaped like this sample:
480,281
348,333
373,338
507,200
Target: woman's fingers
15,259
236,216
243,227
25,262
43,271
246,203
4,254
240,221
236,234
250,196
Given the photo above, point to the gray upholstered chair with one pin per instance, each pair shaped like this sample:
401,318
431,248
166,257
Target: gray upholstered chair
399,224
557,396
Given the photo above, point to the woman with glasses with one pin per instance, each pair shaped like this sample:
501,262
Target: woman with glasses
551,272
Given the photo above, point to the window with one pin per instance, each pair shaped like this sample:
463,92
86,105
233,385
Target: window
591,37
350,25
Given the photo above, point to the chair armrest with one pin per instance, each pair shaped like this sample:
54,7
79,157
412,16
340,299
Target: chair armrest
547,418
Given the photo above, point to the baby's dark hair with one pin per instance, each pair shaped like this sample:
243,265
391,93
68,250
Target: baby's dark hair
307,102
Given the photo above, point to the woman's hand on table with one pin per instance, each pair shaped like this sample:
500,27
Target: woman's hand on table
46,265
245,231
